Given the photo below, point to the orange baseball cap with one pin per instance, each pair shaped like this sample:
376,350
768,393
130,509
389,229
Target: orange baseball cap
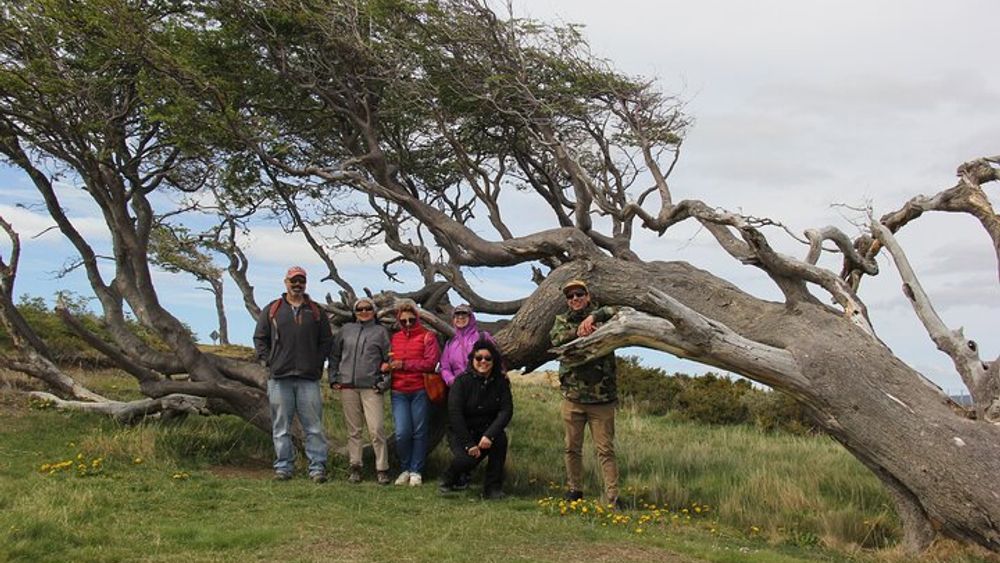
295,271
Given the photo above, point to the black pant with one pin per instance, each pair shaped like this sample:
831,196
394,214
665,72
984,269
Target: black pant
462,462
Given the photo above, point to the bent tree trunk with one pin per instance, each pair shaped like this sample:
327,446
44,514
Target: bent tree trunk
904,429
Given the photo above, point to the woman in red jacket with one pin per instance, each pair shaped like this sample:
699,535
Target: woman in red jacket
414,352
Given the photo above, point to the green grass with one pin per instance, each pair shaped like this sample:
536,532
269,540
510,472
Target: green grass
200,491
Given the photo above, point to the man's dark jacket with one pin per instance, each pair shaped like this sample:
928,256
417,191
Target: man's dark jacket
293,343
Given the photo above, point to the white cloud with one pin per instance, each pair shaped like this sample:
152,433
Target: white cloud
36,226
272,245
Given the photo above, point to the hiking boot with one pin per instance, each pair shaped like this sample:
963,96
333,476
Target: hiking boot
318,478
416,480
382,477
447,488
462,482
282,476
403,479
572,495
494,494
355,476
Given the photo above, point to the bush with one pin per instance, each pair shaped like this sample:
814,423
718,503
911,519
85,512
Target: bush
709,399
652,390
713,399
774,410
66,347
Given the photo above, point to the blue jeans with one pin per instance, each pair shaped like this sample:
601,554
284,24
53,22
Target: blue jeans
290,396
409,412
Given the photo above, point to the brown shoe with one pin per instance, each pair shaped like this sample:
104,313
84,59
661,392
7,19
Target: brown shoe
355,475
383,478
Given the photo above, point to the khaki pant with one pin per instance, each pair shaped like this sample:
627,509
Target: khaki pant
601,419
365,406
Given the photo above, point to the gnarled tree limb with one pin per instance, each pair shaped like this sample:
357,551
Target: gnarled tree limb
979,376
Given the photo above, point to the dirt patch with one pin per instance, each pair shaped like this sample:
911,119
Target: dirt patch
13,394
254,471
606,553
319,548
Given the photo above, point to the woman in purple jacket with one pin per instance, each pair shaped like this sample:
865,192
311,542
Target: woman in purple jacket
455,357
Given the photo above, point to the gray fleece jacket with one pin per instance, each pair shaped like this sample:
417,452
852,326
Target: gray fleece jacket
357,353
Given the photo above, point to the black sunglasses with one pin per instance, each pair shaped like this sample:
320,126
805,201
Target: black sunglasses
575,294
363,309
410,321
297,280
460,314
482,358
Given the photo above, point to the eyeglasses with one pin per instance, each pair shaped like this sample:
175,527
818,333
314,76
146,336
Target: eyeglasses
481,358
576,294
364,309
408,321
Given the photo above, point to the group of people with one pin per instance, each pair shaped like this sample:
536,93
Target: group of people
294,339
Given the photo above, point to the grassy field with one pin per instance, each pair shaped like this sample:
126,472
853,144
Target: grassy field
80,488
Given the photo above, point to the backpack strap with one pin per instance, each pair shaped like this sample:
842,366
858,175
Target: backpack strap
272,310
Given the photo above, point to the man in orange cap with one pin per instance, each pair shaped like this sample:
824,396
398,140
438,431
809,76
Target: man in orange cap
292,340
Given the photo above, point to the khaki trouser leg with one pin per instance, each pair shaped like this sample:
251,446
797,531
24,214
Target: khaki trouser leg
601,419
574,422
374,408
355,419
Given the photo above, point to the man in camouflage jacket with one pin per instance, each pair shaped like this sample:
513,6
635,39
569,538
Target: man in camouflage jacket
590,393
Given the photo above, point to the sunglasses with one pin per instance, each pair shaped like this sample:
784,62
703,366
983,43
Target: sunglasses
576,294
460,314
407,322
481,358
364,309
297,280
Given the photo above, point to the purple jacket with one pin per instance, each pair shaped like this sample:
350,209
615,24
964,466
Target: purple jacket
455,357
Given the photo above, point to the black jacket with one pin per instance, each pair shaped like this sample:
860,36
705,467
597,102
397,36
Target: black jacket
293,345
477,407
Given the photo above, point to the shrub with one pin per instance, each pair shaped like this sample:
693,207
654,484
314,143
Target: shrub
709,399
773,410
713,399
65,346
652,390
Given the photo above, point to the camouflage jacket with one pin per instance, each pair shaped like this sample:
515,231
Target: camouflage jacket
594,381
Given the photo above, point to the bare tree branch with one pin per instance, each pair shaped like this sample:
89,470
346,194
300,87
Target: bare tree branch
979,377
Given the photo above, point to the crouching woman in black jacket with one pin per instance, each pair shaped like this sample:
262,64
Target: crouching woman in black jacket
479,408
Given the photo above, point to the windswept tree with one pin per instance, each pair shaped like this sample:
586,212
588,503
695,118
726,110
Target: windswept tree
77,102
419,123
176,250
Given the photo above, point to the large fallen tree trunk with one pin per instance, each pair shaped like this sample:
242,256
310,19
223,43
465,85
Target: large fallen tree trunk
906,430
128,412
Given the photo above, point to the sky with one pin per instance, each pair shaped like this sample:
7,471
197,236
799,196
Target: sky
799,106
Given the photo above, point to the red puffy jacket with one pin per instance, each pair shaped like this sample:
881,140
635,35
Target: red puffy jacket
417,348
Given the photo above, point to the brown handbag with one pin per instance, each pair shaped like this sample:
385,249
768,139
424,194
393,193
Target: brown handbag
436,389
